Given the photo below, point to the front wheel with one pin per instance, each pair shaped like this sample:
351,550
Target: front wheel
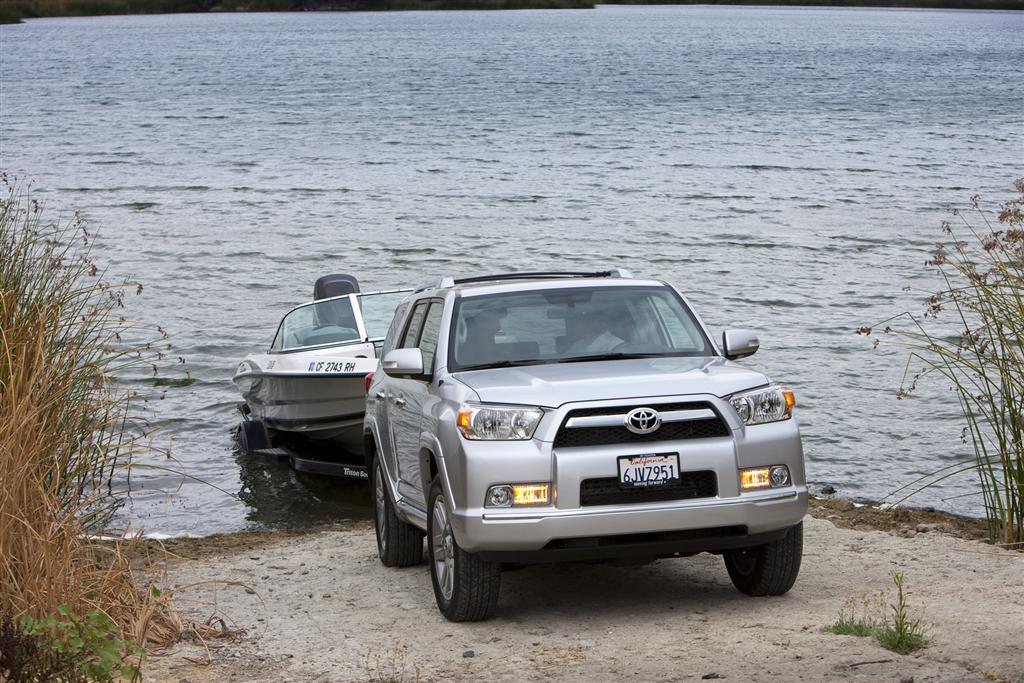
399,544
768,569
465,587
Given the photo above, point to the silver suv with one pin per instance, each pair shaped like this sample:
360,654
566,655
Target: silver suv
545,417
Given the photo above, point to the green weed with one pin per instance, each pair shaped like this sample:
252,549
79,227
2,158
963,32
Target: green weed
856,618
89,647
900,633
391,667
893,628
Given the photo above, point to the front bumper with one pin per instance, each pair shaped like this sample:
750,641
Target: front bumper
749,519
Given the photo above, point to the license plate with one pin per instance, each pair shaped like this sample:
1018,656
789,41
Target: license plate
637,471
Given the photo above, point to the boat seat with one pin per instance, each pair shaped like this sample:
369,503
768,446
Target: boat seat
328,334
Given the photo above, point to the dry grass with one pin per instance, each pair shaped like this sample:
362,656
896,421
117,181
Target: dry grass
66,432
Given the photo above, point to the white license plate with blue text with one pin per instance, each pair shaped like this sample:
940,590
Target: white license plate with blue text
648,470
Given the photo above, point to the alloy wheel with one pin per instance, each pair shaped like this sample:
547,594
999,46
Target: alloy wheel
380,507
443,547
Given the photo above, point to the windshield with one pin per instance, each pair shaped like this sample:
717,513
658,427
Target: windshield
334,321
573,324
378,309
328,321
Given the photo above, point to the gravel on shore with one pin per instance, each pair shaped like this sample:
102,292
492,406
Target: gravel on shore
319,606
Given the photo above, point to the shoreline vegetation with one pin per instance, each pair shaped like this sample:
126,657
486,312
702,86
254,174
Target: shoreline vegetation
76,602
71,609
13,11
981,263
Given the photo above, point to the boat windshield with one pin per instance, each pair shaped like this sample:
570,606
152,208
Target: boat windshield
378,308
328,321
341,320
571,325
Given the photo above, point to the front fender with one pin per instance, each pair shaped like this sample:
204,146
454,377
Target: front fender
431,445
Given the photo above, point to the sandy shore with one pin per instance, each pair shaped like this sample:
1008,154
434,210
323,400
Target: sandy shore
318,606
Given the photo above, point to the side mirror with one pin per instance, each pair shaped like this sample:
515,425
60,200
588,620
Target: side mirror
739,343
401,362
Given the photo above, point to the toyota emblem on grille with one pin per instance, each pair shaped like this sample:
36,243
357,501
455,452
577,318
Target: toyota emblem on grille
643,421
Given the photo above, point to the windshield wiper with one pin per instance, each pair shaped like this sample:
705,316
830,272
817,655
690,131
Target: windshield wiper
609,356
504,364
551,361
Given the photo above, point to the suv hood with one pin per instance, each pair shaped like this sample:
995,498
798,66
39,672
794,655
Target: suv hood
552,385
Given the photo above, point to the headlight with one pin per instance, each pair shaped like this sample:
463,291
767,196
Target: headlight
498,423
764,405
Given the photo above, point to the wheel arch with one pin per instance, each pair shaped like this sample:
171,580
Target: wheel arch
429,469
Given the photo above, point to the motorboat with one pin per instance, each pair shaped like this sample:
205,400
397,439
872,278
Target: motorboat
308,389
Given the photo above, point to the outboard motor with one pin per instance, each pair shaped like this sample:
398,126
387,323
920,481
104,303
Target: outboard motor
335,285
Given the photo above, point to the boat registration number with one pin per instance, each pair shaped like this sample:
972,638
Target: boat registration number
331,366
636,471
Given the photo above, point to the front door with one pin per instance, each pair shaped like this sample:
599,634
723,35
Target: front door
410,399
378,400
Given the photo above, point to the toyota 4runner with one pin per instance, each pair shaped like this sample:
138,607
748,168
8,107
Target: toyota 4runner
544,417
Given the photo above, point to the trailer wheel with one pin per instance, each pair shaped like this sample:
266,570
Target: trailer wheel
252,437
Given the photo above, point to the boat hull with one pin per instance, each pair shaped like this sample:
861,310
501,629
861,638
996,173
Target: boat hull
317,395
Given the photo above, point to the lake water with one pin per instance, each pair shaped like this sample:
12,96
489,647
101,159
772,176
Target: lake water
788,168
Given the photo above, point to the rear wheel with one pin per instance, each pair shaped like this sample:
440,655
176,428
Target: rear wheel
768,569
465,587
399,544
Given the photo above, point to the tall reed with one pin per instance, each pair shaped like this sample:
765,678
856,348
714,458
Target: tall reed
981,263
66,427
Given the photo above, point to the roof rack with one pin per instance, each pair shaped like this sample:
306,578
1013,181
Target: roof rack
615,272
440,284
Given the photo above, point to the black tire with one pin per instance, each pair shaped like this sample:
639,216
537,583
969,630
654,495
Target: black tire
252,437
475,583
399,544
769,569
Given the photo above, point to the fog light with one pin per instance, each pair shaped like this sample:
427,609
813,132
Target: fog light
507,495
756,478
764,477
530,494
498,497
780,475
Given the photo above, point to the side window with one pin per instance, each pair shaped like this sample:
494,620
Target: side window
396,325
428,340
412,332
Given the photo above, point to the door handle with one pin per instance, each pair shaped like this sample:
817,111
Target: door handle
399,401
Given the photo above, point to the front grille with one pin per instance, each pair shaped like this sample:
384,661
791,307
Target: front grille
619,410
670,431
606,490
